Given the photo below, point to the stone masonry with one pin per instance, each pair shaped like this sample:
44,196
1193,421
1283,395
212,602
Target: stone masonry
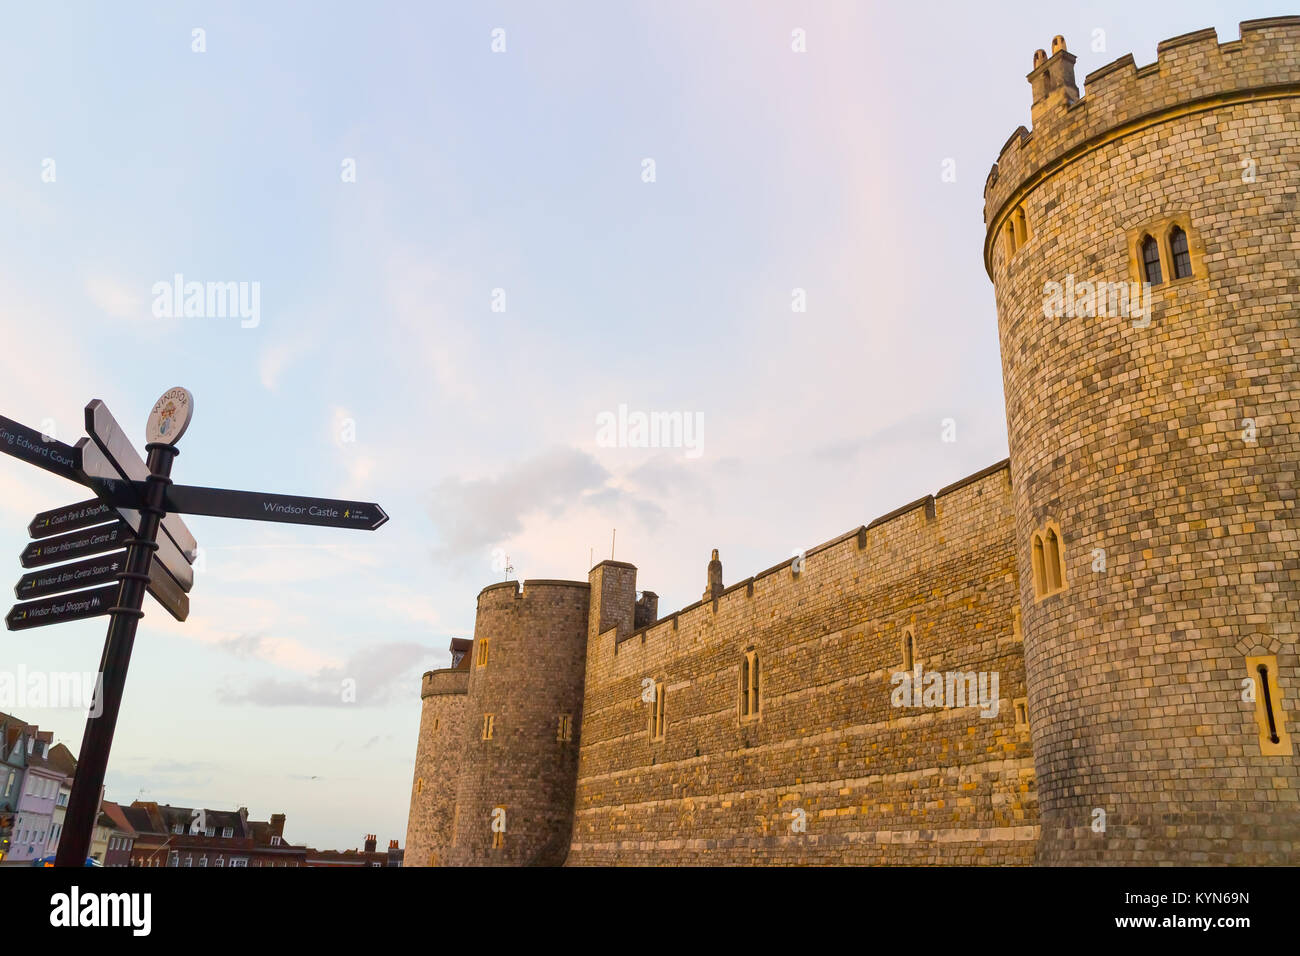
1130,576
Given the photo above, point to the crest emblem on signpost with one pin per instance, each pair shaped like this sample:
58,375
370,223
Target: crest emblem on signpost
166,419
170,416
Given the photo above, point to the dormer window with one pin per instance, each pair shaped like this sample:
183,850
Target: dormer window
275,841
228,832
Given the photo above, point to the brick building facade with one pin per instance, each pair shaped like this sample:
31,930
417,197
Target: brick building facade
184,837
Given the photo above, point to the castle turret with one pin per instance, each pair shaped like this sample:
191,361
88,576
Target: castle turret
443,703
514,799
1141,242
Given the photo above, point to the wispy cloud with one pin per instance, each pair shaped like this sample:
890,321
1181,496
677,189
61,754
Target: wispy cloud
116,298
474,515
376,675
274,360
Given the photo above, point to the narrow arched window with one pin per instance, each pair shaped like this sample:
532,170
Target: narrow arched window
1011,239
1178,250
909,650
1022,227
1268,704
744,686
1053,559
750,704
1040,566
1151,260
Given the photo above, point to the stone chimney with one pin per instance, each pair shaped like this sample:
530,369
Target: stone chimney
277,825
371,842
647,609
714,589
1052,80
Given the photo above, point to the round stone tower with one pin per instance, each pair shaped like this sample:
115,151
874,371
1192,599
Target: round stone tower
443,697
514,801
1144,245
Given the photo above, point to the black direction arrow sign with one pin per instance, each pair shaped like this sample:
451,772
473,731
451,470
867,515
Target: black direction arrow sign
78,544
164,589
262,506
83,514
66,577
27,445
81,574
66,607
121,454
126,496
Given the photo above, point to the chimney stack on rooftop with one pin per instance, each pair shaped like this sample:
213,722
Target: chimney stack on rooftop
1052,80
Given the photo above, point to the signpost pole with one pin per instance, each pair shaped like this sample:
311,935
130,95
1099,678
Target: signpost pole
92,762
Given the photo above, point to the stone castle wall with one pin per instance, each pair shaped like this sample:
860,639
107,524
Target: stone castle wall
1134,438
443,701
1166,447
533,675
876,784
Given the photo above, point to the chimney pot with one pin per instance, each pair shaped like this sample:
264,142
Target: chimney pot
1052,81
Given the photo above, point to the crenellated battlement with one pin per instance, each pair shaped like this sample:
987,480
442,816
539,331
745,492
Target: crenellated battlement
907,531
509,595
1192,72
442,682
1137,551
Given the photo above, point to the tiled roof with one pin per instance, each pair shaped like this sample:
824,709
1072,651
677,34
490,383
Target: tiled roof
138,818
116,818
61,759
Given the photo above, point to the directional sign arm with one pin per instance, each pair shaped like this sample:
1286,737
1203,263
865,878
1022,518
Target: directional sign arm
83,514
264,506
65,607
127,498
29,445
126,462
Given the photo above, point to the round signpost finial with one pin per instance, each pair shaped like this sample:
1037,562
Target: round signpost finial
170,417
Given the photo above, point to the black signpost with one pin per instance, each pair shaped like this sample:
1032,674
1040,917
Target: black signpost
83,514
65,607
31,446
103,429
77,544
137,509
260,506
127,498
66,577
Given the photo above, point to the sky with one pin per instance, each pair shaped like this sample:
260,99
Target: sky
475,232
